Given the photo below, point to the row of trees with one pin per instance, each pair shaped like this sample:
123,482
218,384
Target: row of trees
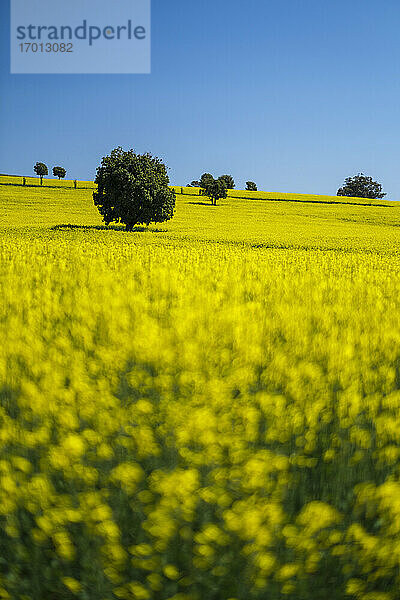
41,170
359,186
227,179
134,188
215,189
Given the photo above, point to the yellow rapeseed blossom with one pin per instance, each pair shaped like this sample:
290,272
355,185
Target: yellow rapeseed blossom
206,411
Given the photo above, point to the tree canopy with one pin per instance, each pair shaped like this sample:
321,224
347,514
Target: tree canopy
133,189
229,181
41,170
215,189
59,172
361,186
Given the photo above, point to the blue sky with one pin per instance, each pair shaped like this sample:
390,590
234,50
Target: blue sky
294,95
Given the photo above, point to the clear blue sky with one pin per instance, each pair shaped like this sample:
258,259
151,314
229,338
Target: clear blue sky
294,95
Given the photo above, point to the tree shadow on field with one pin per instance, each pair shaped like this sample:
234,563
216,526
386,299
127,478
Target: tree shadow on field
202,203
137,229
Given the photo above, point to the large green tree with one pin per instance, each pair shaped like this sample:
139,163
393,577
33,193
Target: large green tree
133,189
361,186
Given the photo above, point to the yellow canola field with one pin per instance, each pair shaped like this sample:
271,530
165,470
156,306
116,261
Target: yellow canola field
284,197
205,410
47,182
17,180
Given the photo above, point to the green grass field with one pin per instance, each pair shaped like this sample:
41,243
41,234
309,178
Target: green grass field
204,409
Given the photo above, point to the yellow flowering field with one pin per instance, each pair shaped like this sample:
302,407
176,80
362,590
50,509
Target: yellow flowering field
47,181
279,196
204,410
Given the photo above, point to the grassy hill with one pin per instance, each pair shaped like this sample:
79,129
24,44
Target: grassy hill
207,408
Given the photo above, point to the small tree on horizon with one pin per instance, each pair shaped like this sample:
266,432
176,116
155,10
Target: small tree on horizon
59,172
41,170
251,186
215,189
195,183
229,181
133,189
361,186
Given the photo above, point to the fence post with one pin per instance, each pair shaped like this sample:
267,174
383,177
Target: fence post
75,183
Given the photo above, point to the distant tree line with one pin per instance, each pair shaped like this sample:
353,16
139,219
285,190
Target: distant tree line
216,189
42,170
227,179
359,186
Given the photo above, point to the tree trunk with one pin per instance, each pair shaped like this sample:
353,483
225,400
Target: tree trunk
41,180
